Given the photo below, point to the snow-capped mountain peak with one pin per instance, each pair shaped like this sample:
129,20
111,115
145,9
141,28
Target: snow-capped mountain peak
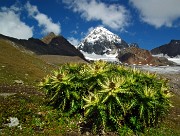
101,33
101,41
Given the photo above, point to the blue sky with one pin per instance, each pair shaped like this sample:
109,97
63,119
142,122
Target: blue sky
149,23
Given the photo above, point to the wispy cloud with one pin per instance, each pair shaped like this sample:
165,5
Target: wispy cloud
114,16
73,41
11,24
158,12
43,20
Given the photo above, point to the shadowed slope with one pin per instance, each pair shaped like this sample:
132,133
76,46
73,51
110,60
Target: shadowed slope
58,46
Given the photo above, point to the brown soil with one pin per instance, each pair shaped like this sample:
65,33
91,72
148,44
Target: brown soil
59,59
19,89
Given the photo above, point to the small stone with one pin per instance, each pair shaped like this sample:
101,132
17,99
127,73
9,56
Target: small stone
87,133
18,82
13,122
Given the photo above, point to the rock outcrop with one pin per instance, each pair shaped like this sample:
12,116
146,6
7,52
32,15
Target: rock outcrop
47,39
137,56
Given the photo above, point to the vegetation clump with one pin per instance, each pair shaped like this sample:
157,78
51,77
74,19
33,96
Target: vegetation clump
109,97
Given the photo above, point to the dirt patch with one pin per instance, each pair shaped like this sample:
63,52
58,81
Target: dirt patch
59,59
7,94
6,89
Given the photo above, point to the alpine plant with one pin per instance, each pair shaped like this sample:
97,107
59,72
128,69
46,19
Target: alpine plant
109,97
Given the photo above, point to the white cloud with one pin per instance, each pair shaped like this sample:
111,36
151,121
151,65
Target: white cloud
112,15
43,20
158,12
74,32
11,25
89,30
73,41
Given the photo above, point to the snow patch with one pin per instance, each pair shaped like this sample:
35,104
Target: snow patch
161,69
161,55
105,57
174,59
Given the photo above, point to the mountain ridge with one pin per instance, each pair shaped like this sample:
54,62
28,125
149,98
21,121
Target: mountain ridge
172,49
57,45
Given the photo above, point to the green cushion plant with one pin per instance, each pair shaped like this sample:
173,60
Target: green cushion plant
109,97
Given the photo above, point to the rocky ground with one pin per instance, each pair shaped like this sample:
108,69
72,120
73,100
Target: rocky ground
174,82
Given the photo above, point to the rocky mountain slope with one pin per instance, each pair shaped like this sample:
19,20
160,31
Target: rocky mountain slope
50,45
137,56
172,49
101,41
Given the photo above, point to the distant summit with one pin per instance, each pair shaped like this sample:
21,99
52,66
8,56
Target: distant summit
101,41
172,49
47,39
